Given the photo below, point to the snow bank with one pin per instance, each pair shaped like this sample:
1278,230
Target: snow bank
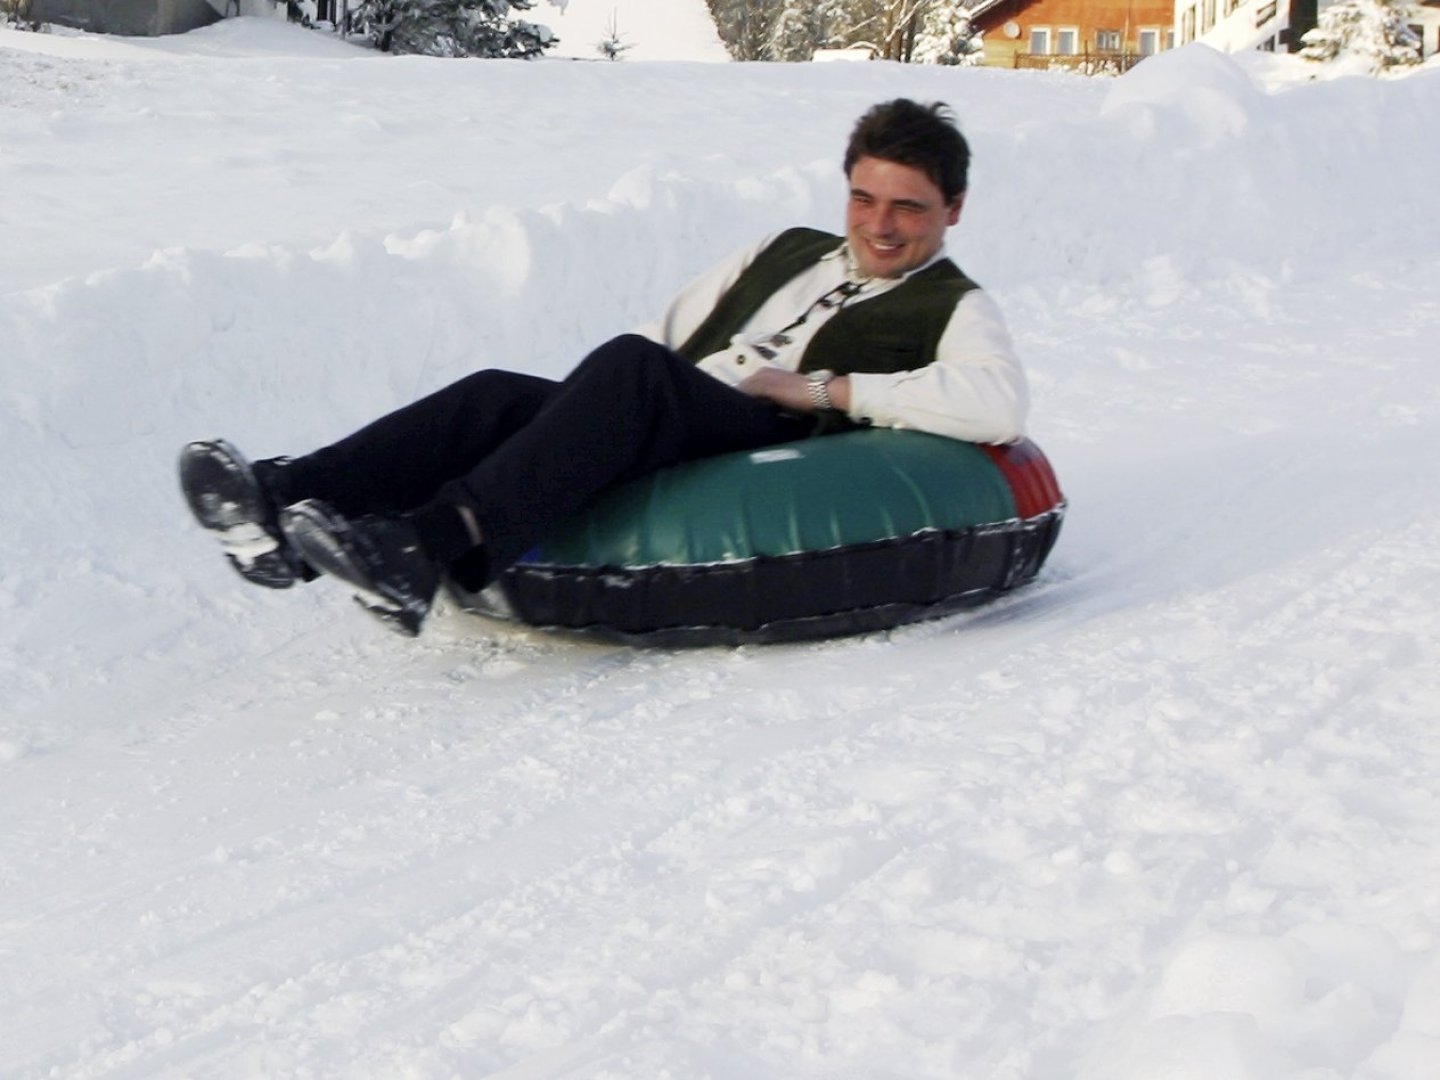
1186,160
1169,814
235,38
109,374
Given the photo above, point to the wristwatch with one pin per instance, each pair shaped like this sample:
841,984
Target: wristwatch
819,385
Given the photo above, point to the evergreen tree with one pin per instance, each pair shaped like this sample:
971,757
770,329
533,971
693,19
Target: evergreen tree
803,26
948,37
613,45
746,26
1376,31
453,28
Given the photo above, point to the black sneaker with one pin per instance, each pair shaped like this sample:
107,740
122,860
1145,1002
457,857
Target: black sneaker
379,557
222,492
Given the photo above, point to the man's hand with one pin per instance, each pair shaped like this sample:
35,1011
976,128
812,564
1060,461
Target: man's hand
791,391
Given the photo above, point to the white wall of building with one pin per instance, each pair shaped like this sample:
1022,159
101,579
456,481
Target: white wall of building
1231,25
1239,25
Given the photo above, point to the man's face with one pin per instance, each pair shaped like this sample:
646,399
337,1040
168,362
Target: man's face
896,218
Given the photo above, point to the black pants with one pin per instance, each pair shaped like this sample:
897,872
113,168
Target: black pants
524,453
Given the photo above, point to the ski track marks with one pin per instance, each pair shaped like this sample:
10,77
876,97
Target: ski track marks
496,852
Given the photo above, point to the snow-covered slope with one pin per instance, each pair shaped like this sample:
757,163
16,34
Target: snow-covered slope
1170,813
647,29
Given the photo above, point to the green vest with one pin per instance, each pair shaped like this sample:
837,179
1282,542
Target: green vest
898,330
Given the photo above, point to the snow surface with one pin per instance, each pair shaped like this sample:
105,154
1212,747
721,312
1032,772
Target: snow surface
1170,813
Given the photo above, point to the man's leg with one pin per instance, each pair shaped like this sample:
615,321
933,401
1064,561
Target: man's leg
631,407
393,464
402,460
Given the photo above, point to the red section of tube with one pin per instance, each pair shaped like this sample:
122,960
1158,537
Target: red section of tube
1029,475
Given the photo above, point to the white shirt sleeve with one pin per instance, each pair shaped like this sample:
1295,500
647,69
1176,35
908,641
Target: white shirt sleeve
698,299
975,390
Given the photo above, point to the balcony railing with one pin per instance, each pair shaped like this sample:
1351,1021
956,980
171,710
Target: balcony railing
1086,63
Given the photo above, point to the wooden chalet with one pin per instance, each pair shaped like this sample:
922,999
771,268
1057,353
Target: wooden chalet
1087,35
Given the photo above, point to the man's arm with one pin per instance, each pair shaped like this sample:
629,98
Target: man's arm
791,391
975,390
698,299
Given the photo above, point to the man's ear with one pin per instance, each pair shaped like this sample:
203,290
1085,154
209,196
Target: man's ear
953,211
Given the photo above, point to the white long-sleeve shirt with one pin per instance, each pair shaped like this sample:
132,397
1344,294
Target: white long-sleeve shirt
974,390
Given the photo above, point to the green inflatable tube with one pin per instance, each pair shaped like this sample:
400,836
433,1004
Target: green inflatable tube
837,534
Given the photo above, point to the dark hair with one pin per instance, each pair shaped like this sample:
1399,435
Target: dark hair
922,136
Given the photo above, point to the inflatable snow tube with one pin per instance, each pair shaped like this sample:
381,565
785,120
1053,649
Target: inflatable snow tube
841,534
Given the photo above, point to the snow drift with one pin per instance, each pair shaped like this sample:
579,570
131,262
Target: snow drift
1170,813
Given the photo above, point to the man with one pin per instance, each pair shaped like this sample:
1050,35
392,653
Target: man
802,334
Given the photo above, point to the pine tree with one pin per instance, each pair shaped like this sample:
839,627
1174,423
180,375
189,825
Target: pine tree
1374,30
806,25
454,28
746,26
613,45
948,37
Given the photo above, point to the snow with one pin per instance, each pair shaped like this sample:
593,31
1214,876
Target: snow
1169,813
648,29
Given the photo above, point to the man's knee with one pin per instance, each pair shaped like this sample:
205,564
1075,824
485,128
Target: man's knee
489,384
632,358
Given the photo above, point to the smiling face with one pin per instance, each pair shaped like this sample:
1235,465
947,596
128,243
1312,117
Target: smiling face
896,218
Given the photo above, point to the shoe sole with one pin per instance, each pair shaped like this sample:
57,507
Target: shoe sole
325,540
224,498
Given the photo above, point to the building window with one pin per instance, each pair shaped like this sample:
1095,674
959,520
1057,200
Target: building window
1040,41
1170,37
1149,42
1067,41
1230,6
1207,18
1107,40
1187,25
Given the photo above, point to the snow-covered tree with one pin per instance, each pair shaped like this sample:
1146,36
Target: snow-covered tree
948,37
454,27
613,45
932,31
803,26
1375,31
890,27
746,26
